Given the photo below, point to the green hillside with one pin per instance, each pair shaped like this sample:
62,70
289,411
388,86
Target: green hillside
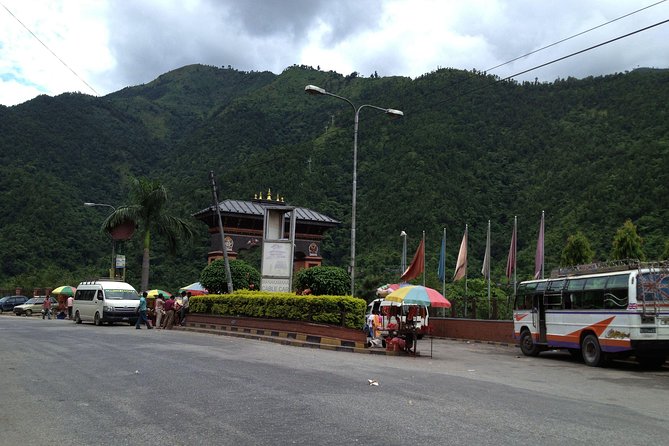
591,153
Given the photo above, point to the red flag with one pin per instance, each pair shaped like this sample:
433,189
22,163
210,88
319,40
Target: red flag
461,265
511,260
417,264
539,259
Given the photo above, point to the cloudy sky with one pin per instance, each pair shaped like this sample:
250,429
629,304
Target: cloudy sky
101,46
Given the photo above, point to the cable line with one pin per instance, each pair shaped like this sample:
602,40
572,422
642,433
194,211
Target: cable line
575,35
49,49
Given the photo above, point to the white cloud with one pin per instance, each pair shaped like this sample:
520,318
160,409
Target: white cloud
111,45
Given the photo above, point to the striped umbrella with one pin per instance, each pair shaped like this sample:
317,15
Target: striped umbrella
419,295
155,293
64,290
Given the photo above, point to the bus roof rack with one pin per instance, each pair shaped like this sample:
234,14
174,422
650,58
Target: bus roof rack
597,267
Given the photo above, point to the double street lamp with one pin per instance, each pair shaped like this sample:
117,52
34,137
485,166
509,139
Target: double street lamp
314,90
112,271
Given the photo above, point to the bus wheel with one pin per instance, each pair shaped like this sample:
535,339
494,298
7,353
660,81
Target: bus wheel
97,320
651,361
592,352
527,345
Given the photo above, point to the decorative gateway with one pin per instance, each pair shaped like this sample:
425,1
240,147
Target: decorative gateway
597,312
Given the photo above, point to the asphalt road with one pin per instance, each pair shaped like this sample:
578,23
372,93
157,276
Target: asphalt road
70,384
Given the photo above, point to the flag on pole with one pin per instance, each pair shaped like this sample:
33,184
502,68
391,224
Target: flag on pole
511,260
441,270
417,264
485,270
539,259
461,265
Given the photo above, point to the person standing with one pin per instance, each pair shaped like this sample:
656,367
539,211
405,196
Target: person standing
169,313
70,304
184,307
46,308
159,308
142,313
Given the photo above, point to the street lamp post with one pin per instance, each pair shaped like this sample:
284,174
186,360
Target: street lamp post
112,271
314,90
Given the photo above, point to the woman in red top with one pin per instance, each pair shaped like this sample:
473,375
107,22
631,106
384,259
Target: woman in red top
46,308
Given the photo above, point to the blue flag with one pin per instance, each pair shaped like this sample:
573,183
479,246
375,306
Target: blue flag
441,271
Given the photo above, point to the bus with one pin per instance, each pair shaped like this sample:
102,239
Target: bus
597,312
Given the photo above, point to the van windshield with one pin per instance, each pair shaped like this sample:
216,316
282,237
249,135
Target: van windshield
121,294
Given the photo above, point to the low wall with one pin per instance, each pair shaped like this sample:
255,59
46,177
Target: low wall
280,325
474,329
452,328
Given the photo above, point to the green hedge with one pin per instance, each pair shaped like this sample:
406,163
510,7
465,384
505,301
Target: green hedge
344,311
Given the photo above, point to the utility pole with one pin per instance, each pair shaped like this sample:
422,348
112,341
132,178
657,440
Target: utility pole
228,276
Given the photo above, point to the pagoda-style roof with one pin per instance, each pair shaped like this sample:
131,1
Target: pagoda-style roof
255,208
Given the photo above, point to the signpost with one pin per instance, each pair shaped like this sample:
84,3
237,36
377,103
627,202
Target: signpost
278,249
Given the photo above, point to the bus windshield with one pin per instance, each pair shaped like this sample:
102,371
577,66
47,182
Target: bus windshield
121,294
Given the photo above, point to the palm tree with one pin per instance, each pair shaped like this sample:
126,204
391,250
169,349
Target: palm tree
148,199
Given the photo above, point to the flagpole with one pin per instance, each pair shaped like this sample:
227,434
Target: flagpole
443,266
424,264
543,233
515,247
488,265
466,243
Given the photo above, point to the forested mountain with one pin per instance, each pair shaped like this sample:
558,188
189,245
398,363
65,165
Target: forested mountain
589,152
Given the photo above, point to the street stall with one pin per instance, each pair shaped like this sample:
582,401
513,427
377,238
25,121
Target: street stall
404,316
61,294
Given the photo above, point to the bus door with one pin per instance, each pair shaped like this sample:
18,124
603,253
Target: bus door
539,316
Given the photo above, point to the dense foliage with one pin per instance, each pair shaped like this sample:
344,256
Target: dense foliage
323,280
593,153
243,275
334,310
577,251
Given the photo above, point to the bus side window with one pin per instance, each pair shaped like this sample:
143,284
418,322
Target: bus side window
567,301
617,292
594,293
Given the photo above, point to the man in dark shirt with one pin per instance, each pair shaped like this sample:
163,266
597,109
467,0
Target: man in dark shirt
169,313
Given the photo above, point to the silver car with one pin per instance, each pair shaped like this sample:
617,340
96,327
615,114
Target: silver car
33,305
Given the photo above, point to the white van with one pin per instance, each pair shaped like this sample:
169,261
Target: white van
105,300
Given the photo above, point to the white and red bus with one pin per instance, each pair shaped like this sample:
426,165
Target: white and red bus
597,312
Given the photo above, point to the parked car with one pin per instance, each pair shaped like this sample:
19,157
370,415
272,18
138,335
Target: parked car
33,305
8,303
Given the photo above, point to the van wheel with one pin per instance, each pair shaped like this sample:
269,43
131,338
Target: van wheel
77,318
97,321
527,345
592,352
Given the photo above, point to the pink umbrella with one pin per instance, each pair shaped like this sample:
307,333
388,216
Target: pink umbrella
418,295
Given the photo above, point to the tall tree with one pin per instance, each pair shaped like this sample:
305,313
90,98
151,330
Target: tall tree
147,210
577,251
627,243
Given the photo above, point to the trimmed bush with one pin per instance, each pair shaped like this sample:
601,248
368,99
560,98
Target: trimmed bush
243,276
324,280
343,311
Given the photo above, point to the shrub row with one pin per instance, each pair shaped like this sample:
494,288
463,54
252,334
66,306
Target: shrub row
344,311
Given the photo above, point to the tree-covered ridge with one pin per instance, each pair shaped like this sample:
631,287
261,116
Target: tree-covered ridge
591,153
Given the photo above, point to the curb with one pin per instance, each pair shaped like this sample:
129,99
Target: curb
290,338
